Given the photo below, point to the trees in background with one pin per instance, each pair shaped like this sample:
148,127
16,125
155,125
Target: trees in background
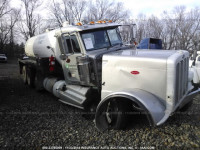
178,29
8,19
4,26
74,11
29,21
15,23
67,10
104,9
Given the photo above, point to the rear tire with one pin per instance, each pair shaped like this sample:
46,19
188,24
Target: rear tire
38,82
24,74
30,77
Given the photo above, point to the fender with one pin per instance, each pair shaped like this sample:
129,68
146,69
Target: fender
152,106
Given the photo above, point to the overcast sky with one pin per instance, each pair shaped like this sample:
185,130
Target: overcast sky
156,7
147,7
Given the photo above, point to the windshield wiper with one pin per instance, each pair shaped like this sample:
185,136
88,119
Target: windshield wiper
114,46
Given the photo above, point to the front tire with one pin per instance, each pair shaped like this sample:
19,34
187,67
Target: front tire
114,115
111,115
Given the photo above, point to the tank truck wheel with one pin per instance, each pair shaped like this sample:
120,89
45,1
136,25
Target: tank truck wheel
30,77
38,81
28,80
115,115
24,74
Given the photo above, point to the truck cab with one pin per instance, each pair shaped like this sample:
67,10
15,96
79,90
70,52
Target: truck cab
88,46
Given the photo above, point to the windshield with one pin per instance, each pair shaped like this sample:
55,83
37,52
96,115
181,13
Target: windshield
98,39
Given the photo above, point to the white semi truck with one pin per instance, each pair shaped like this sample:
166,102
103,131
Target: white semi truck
88,65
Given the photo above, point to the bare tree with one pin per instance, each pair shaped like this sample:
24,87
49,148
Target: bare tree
75,11
77,8
187,26
178,29
154,27
4,10
30,21
14,17
107,9
8,19
168,35
57,12
140,33
4,7
68,10
98,10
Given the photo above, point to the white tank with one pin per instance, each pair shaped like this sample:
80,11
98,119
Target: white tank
37,46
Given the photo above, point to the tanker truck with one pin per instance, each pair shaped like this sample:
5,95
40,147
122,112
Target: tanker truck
89,67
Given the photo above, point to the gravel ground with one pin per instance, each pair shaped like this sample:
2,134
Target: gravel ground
32,120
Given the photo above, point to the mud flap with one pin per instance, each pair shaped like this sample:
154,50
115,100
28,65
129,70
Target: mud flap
153,107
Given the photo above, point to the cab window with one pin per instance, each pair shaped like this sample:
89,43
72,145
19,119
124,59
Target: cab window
114,37
72,44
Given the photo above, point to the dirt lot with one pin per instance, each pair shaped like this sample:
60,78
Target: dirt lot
32,120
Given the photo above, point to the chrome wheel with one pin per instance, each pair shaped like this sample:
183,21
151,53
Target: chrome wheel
112,113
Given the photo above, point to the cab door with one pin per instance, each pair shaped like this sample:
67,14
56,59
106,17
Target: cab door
69,65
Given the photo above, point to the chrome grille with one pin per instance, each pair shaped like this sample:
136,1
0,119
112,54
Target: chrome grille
181,79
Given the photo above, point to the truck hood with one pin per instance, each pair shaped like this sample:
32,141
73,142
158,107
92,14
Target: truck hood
154,59
124,51
150,70
155,54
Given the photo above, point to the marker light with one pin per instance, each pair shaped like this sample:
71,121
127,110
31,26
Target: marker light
135,43
109,21
99,21
79,24
92,22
